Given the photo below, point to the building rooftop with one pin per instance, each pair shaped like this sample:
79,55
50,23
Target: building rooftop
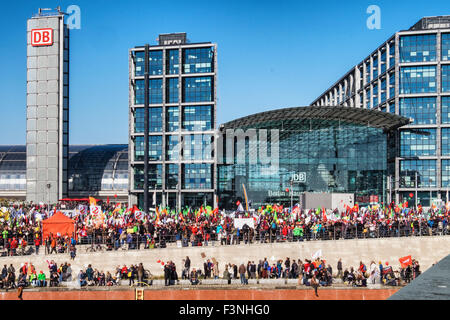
429,23
373,118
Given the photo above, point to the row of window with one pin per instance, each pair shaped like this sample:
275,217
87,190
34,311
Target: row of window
196,60
422,48
191,147
195,118
195,89
422,142
195,176
426,173
424,110
422,79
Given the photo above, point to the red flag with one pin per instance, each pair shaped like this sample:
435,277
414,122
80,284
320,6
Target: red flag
107,200
406,261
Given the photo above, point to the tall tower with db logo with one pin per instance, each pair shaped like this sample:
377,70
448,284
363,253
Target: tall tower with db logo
47,106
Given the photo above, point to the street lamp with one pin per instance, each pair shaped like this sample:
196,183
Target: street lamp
48,195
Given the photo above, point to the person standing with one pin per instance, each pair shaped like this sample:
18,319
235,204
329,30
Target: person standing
315,284
140,273
242,271
339,269
37,243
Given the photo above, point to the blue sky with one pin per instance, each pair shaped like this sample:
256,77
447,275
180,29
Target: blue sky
271,54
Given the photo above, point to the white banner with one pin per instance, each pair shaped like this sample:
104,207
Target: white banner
95,210
239,223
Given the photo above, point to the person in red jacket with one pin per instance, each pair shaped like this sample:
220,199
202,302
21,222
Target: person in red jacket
37,244
14,245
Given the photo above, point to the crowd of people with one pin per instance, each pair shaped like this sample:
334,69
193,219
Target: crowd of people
118,227
313,273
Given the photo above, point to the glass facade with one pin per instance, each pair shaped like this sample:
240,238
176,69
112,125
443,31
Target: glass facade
155,148
173,63
171,176
198,60
418,48
156,91
418,79
172,145
421,110
419,142
198,118
139,120
173,119
139,58
333,156
155,119
445,173
156,63
172,90
445,110
197,147
154,177
445,139
445,47
198,89
197,176
139,92
445,78
426,173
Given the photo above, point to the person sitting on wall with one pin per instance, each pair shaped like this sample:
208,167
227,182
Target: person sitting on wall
194,277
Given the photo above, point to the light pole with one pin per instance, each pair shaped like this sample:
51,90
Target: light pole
48,196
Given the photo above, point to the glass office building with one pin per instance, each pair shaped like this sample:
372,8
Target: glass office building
408,75
319,149
172,123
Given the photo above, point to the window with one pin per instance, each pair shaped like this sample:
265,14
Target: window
172,90
445,172
426,173
154,177
375,96
156,93
445,45
416,143
197,147
446,78
445,110
155,63
139,92
421,110
198,60
418,79
445,138
197,176
383,62
139,63
139,120
198,89
420,48
139,149
171,176
173,63
375,67
198,118
155,148
391,54
383,90
172,145
155,119
173,119
391,85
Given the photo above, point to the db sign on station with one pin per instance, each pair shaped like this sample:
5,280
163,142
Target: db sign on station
42,37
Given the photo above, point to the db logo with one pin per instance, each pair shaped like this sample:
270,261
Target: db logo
42,37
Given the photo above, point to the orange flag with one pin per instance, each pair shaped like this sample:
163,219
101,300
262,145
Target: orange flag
92,201
406,261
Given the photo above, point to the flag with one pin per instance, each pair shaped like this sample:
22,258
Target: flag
92,201
317,255
405,261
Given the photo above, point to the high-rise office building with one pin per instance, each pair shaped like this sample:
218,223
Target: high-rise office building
408,75
47,106
172,115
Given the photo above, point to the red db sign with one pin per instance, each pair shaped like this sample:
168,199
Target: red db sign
42,37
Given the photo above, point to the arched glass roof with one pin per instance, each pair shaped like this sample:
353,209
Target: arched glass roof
91,168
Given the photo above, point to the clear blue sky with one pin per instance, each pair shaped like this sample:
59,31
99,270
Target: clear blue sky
271,54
